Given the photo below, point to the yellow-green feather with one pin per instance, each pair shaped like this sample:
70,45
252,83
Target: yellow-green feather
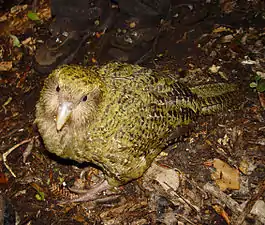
136,112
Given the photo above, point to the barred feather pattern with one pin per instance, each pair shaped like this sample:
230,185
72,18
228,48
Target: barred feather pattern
130,115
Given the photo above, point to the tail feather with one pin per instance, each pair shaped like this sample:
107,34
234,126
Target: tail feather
212,90
215,98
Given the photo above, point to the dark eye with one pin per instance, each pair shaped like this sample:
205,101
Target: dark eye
84,98
57,88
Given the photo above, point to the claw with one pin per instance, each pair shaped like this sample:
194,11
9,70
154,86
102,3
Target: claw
89,195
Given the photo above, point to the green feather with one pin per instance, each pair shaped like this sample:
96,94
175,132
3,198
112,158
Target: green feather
130,115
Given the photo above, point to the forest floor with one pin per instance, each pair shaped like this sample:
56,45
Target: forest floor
215,175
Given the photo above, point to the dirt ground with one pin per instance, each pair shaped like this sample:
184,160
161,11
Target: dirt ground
214,175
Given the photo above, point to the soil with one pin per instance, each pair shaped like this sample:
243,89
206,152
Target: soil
202,43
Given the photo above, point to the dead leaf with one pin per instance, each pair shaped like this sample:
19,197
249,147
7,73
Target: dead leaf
259,210
28,150
221,29
243,167
222,213
225,176
166,177
6,66
262,99
3,178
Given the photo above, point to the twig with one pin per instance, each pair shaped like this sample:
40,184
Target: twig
11,150
239,219
260,141
184,218
35,5
228,201
193,183
171,195
12,132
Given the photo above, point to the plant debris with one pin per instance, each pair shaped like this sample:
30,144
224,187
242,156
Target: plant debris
214,175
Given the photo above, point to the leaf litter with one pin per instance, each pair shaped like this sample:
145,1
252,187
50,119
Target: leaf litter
183,189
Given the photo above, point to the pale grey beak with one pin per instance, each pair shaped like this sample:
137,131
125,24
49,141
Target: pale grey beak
63,114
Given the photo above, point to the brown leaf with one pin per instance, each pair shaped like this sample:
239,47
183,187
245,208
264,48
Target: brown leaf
6,66
225,176
3,178
262,99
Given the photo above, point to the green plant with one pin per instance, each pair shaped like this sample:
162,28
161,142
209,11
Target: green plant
258,84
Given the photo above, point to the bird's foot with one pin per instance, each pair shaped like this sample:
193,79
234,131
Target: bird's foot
88,195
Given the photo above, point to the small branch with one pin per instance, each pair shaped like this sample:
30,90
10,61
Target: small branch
240,213
184,218
174,197
11,150
239,219
228,201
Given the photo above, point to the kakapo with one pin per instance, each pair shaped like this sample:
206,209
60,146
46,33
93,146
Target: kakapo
119,116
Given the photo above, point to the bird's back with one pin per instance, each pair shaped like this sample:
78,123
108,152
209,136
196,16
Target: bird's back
142,110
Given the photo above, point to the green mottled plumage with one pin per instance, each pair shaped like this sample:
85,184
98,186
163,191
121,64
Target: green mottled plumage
130,115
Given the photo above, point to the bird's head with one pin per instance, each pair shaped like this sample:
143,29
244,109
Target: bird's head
72,95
